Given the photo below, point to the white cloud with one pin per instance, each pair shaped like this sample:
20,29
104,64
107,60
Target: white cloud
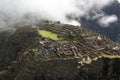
107,20
50,9
119,1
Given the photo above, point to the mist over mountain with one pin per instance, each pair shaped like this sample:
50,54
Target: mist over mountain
101,16
51,40
65,11
112,31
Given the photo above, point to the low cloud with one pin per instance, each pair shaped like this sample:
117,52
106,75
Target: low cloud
119,1
107,20
16,11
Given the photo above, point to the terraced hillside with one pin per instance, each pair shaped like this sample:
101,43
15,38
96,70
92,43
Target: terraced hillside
54,51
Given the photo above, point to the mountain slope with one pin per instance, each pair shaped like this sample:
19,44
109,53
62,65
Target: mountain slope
53,51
